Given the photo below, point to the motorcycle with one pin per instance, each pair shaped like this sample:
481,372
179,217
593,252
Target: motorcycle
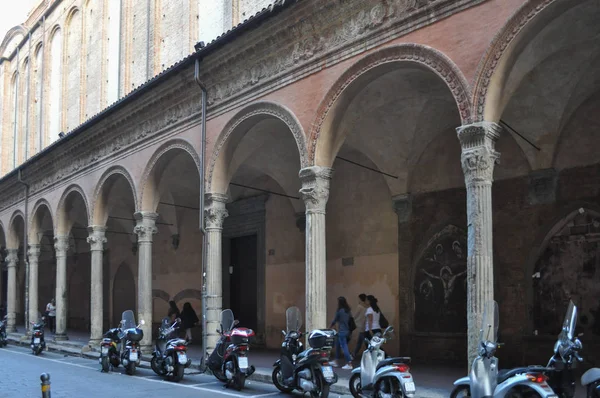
130,337
38,343
229,360
381,377
3,336
591,380
110,355
484,379
308,370
169,357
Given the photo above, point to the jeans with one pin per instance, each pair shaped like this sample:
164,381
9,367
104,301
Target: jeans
51,323
359,342
342,342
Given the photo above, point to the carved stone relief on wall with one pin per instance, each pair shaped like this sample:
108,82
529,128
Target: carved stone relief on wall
569,269
440,284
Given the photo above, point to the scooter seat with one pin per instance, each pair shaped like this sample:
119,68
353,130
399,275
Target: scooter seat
590,376
390,361
504,374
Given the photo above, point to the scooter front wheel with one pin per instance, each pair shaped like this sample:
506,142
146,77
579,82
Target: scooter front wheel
355,386
277,377
461,392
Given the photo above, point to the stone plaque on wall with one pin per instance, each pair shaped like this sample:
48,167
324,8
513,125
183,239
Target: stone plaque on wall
440,283
542,186
569,269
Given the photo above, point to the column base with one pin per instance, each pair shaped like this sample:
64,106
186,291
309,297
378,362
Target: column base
61,337
93,343
147,350
11,329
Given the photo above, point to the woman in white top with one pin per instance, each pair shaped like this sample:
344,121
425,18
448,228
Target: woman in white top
51,312
373,314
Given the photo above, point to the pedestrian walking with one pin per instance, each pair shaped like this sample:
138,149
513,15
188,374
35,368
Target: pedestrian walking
373,314
189,319
360,318
173,311
342,318
51,315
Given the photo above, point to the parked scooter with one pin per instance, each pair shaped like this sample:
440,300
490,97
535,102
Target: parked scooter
110,353
591,380
38,343
306,371
378,377
169,357
3,336
131,335
229,360
484,380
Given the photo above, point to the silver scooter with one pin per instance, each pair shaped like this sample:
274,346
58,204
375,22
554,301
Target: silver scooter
378,377
591,381
484,380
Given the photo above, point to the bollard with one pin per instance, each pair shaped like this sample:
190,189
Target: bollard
45,378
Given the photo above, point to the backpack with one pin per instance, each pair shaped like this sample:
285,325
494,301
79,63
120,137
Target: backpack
351,324
382,321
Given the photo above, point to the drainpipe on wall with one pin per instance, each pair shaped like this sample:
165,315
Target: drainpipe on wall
202,193
25,243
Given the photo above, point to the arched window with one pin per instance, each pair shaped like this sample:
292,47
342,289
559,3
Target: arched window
93,26
114,51
15,116
54,103
23,139
36,128
72,72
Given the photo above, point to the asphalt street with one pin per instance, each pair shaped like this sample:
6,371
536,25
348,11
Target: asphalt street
78,377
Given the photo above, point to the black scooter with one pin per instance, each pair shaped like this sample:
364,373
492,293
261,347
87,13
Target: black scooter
3,336
38,343
169,358
307,371
110,355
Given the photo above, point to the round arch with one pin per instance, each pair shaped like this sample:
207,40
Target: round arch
148,189
14,32
97,213
320,147
233,132
63,224
494,67
34,222
13,240
188,294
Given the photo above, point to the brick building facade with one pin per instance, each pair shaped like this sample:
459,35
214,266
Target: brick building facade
333,168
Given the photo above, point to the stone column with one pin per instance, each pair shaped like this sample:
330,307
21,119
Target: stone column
145,230
478,159
12,260
34,255
215,214
96,239
61,246
315,192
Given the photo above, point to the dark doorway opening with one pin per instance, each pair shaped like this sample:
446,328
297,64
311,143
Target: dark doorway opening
243,290
124,293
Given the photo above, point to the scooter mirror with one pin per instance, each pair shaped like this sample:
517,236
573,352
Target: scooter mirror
283,333
236,322
580,335
218,331
142,322
388,330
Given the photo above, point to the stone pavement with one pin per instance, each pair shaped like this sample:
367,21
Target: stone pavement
431,382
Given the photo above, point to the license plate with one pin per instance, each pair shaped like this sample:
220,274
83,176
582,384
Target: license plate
327,372
243,362
182,358
36,340
133,356
409,387
105,350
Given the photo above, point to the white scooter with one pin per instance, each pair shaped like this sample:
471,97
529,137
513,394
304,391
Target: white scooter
484,380
378,377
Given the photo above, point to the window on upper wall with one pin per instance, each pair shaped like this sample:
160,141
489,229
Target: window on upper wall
55,82
114,56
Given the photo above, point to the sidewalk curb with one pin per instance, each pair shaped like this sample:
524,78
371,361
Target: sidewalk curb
262,375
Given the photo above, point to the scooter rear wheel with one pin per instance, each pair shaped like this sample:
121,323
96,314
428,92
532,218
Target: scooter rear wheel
461,392
177,373
277,377
105,364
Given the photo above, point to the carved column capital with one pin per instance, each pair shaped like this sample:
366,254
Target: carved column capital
315,188
146,225
215,211
402,207
61,245
478,142
12,258
34,252
97,237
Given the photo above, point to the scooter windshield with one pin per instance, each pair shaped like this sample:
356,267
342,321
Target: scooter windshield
567,334
128,320
293,318
227,320
490,323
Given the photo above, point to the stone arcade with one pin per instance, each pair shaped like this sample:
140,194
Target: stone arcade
436,154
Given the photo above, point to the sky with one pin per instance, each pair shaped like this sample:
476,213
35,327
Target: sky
13,12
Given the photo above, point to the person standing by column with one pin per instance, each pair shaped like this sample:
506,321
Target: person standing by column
360,318
51,314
